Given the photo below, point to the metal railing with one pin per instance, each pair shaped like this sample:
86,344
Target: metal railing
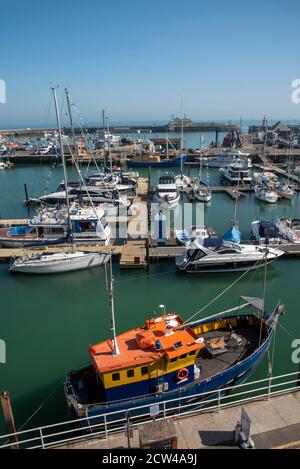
77,430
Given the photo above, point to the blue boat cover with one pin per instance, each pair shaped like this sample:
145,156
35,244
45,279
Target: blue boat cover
18,230
212,242
267,229
232,235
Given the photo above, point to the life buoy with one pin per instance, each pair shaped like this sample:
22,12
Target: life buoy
182,374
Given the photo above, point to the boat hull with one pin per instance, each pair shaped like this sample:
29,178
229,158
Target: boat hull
174,162
60,265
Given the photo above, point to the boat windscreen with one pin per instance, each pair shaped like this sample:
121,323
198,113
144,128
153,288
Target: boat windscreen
213,243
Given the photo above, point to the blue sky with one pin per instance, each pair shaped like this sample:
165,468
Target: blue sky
136,58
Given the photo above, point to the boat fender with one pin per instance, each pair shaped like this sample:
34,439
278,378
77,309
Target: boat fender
182,374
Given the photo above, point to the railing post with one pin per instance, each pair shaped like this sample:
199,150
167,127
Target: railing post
270,387
164,409
219,399
42,439
105,426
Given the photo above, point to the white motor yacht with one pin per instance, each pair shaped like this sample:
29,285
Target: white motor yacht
217,255
167,193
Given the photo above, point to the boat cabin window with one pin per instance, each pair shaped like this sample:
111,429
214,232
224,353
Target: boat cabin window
55,231
183,356
173,359
166,180
144,370
86,225
177,345
162,191
116,376
227,251
130,373
192,352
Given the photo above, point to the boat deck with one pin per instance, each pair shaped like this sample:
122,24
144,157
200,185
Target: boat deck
234,352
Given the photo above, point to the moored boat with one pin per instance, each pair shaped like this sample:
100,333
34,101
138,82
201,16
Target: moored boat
265,232
266,194
217,255
201,192
235,174
289,228
59,262
155,161
168,358
166,192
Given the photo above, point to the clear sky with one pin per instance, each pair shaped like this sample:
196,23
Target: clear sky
136,58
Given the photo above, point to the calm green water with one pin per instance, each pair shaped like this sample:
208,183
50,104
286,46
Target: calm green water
49,322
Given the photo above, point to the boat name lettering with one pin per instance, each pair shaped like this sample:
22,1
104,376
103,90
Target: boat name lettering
296,353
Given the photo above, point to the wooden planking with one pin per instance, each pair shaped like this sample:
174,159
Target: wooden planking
134,255
7,253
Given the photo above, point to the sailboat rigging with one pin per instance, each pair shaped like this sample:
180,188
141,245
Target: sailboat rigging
65,261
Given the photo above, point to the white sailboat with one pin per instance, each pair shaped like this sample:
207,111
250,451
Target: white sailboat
62,261
182,181
266,194
201,191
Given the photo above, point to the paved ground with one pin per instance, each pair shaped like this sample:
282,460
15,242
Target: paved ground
275,424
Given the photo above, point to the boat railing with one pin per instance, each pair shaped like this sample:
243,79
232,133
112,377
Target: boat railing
101,425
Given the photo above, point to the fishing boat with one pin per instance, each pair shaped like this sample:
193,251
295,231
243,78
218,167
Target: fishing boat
167,358
289,228
68,260
227,157
155,161
194,233
235,174
166,192
217,255
266,194
265,232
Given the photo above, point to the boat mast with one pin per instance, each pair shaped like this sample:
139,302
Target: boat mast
70,231
167,144
73,134
181,137
116,350
265,141
109,148
103,136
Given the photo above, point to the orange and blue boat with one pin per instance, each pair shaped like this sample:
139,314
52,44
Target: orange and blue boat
167,358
